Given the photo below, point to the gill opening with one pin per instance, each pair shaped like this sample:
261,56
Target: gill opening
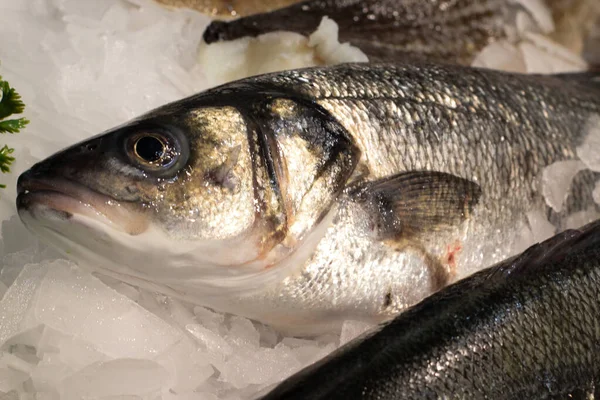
270,188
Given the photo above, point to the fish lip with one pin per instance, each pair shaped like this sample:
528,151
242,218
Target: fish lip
67,198
63,197
28,200
29,186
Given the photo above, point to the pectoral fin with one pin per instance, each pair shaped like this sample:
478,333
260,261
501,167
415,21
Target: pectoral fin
417,202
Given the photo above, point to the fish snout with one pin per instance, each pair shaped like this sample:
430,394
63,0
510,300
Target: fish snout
70,162
215,32
22,181
58,173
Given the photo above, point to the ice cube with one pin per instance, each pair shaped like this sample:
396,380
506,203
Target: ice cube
212,341
125,289
580,218
560,58
13,372
125,376
329,49
246,367
73,301
180,312
268,336
30,339
50,341
77,353
501,55
589,151
192,396
243,333
49,373
305,354
190,367
556,181
352,329
541,228
18,300
209,319
540,61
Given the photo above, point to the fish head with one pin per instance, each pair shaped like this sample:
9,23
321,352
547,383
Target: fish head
213,191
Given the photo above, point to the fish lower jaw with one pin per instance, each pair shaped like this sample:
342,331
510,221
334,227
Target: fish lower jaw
61,200
182,268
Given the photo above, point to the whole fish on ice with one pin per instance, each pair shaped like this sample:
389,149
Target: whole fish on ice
308,197
527,328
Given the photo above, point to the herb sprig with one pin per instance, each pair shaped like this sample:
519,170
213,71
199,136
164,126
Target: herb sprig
10,104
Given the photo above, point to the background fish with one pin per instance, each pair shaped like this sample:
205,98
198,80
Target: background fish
308,197
526,328
575,21
229,8
390,30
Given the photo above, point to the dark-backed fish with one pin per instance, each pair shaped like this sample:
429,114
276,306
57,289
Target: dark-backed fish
391,30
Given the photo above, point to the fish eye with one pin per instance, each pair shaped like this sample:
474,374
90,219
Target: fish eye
152,150
156,148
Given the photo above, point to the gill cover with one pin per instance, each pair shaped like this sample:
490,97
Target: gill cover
302,159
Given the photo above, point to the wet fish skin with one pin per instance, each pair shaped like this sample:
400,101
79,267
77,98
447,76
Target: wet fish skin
389,30
528,327
348,192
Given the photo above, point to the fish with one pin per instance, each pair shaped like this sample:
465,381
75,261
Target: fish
528,327
574,22
228,8
307,197
591,45
391,30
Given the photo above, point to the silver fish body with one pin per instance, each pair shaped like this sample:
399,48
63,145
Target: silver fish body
308,197
528,327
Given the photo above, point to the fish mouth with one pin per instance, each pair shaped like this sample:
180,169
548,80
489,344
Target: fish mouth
58,199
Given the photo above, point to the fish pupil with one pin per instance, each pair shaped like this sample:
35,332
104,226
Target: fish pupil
150,148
